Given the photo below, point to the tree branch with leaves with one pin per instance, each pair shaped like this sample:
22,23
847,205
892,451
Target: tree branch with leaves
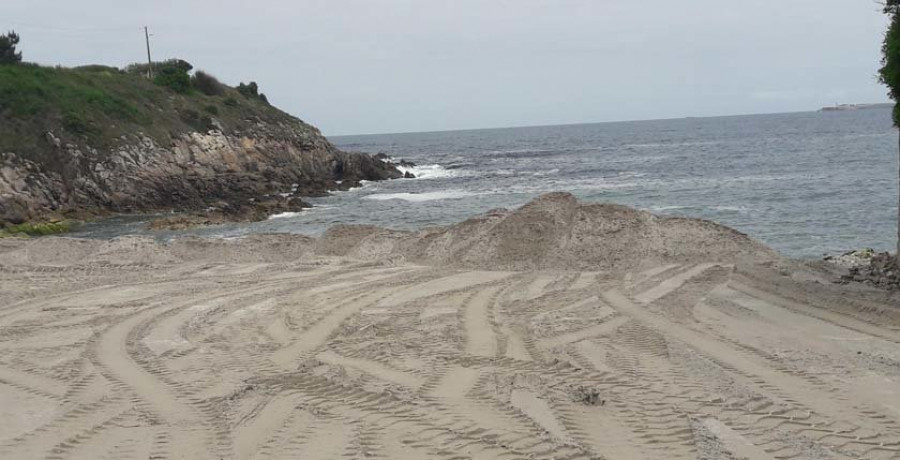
889,74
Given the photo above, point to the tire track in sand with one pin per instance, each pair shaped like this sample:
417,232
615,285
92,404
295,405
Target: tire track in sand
373,368
188,437
746,367
537,409
33,383
671,284
603,328
316,335
427,425
253,432
480,337
452,392
841,320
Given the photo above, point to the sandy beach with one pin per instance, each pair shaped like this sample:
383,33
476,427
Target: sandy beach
557,331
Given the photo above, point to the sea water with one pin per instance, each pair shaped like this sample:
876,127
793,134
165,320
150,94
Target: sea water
807,184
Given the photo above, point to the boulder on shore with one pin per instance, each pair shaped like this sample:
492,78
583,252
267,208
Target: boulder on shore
883,270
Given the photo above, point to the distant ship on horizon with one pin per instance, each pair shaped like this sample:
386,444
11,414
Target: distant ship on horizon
843,107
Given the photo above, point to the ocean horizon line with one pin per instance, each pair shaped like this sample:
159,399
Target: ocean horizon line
587,123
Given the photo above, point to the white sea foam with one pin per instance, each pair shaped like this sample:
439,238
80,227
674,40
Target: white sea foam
283,215
421,197
429,171
517,151
672,144
729,208
713,208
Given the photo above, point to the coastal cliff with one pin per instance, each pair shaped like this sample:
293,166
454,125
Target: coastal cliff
89,141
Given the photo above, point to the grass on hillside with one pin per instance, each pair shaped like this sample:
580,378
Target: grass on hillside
96,105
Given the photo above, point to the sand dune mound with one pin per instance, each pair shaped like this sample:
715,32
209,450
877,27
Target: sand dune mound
553,232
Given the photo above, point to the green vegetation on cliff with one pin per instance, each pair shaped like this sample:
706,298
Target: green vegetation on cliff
85,141
97,105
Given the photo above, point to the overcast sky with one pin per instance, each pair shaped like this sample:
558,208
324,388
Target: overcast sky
371,66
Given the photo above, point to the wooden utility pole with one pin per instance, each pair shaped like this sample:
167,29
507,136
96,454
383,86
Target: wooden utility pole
149,61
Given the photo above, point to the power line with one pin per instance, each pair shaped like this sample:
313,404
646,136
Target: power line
83,30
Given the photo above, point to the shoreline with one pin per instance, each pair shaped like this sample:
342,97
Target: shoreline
204,223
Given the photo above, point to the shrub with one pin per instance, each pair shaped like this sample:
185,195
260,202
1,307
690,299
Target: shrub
230,102
159,67
207,84
177,64
75,123
211,109
249,90
173,78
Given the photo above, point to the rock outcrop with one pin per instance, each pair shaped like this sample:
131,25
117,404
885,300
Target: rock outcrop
194,171
882,270
88,140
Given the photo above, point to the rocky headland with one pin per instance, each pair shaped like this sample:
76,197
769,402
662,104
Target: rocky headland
99,140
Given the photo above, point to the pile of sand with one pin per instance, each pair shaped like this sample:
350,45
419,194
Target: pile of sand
552,232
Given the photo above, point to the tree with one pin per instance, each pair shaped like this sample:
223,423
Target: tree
8,54
889,74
